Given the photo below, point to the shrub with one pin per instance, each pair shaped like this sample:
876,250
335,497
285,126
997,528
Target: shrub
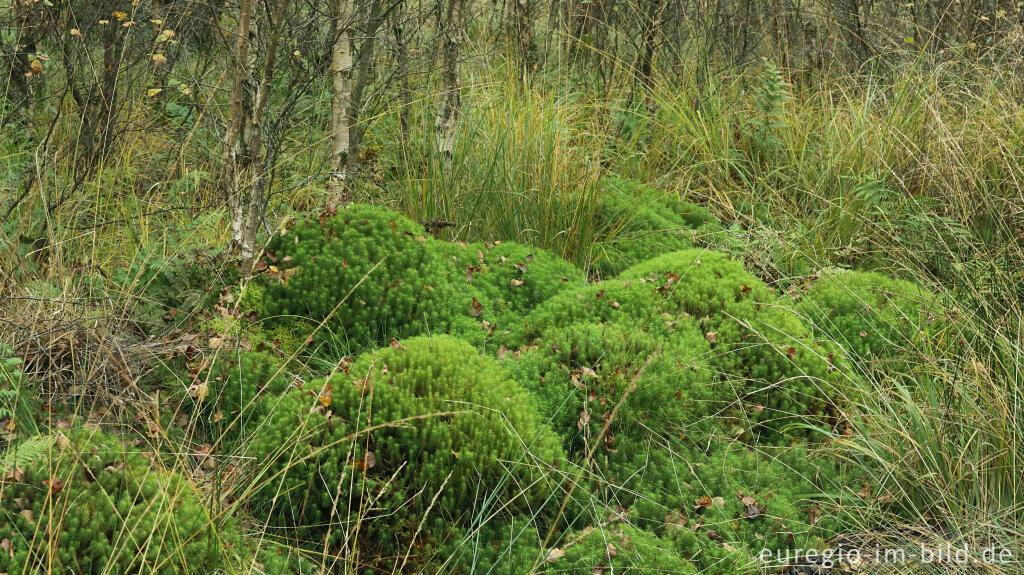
312,266
874,316
90,505
643,223
459,414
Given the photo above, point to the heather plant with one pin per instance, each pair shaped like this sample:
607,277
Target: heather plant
93,505
370,273
425,430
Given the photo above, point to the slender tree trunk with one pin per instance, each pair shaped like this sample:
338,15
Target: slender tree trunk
364,77
644,70
19,69
244,178
781,35
341,96
555,9
402,61
521,34
448,114
107,98
240,160
848,13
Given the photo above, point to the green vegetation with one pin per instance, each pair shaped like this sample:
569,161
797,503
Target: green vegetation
509,279
874,316
642,223
425,430
96,506
228,398
13,398
468,288
320,271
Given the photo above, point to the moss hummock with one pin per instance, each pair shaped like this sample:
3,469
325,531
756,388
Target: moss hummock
370,272
93,505
399,424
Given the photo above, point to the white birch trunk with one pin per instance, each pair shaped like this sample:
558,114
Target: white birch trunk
341,96
451,104
244,177
239,155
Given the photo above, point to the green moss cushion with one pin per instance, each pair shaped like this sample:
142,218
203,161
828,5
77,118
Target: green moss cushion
740,501
93,505
874,316
780,371
771,367
418,411
509,279
641,223
618,548
231,393
602,302
326,263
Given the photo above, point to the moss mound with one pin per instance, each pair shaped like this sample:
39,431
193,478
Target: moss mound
739,502
610,301
767,361
512,547
498,547
581,372
642,223
434,407
874,316
588,367
231,393
92,505
781,372
509,279
312,267
619,548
